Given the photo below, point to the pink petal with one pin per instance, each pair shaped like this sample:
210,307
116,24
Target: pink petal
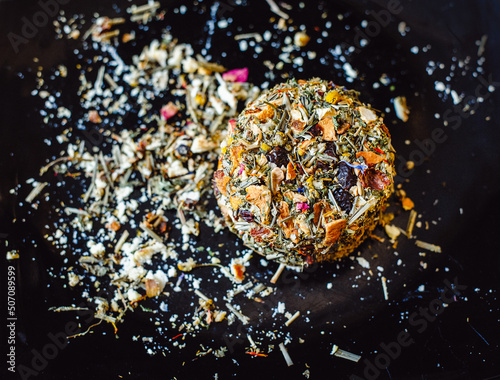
236,75
242,167
232,126
301,206
169,110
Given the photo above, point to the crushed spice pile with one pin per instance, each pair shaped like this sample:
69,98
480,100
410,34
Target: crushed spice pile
167,165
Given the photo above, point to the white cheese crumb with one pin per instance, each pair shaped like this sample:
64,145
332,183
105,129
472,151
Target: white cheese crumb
401,108
280,308
363,262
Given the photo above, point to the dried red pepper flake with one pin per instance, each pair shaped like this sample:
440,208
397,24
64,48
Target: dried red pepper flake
256,354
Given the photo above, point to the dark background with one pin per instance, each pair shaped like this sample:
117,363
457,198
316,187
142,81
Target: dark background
461,172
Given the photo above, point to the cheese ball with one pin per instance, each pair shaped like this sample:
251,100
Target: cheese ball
304,172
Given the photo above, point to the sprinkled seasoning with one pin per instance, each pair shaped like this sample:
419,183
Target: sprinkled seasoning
304,172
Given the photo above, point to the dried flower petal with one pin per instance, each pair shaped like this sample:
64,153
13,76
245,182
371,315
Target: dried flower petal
302,206
169,110
301,39
266,112
114,225
232,125
236,75
259,234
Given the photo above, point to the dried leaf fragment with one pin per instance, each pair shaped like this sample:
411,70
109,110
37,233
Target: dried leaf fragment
296,122
328,128
370,157
277,175
260,196
286,222
333,230
290,171
221,181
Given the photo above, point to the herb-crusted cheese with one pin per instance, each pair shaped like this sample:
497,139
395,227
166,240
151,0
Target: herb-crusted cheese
304,172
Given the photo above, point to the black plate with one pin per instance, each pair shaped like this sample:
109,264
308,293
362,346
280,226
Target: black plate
455,187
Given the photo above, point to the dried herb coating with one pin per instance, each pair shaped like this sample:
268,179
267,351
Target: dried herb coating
304,172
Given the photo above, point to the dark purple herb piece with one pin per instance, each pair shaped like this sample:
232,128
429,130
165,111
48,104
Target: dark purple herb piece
346,176
330,149
316,130
246,215
278,156
324,165
343,198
